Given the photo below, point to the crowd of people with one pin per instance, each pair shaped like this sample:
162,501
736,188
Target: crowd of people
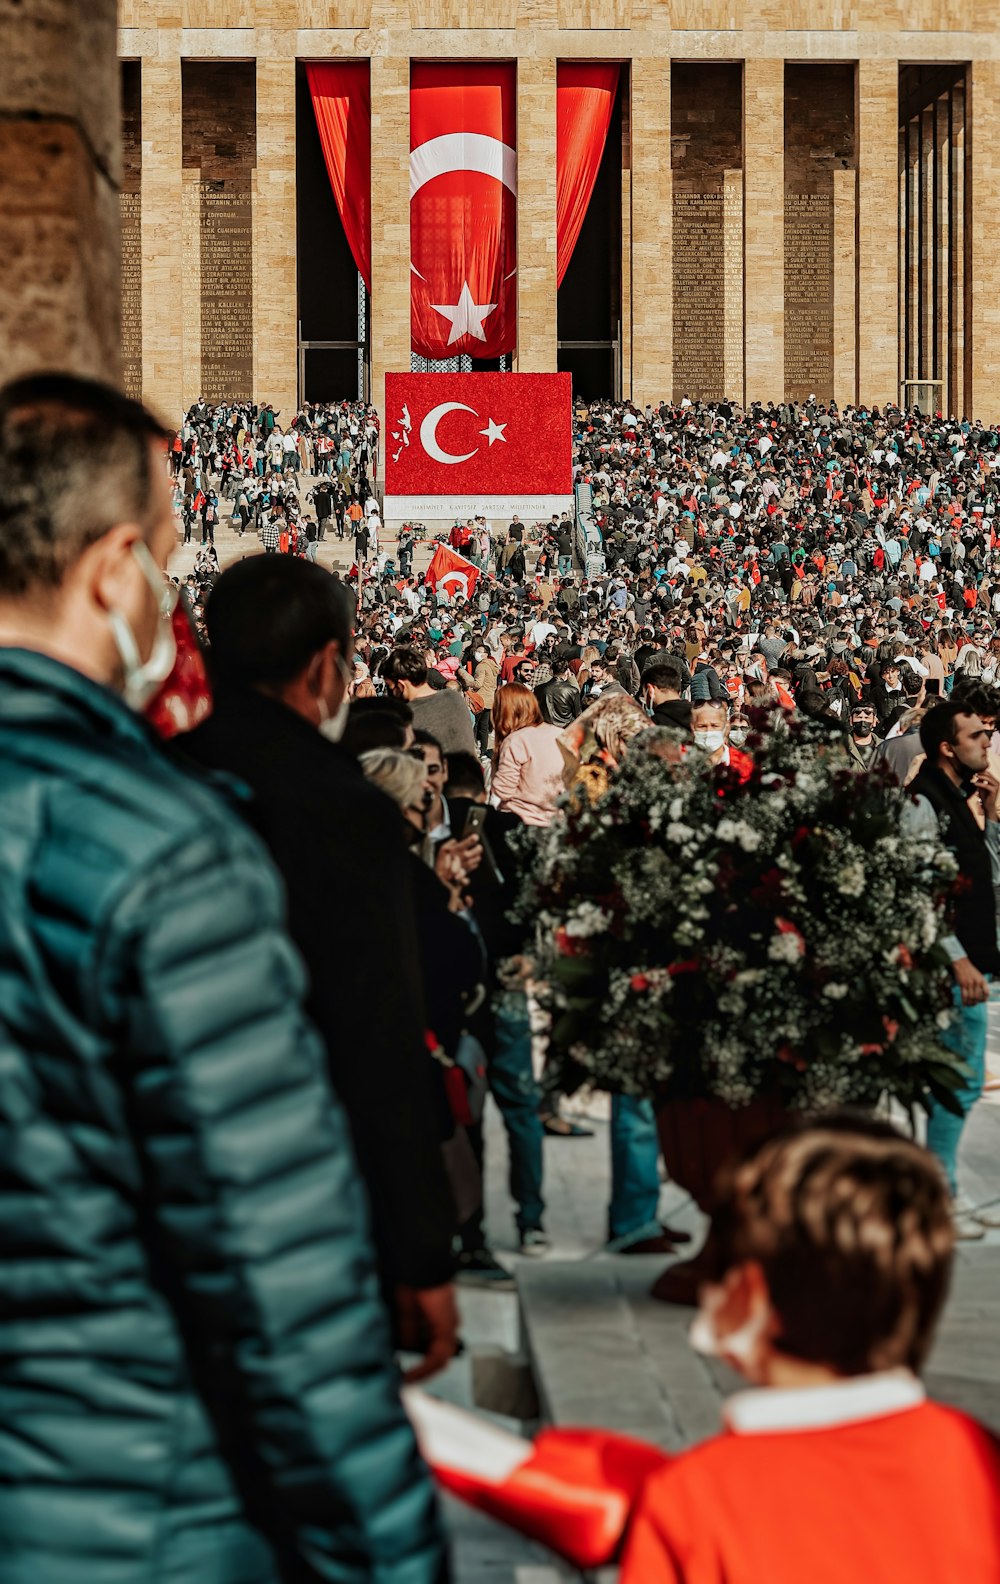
794,559
261,981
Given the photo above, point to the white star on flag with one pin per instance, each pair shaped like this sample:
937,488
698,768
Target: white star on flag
465,315
494,431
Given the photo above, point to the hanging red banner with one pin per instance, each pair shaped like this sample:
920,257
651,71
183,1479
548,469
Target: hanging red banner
463,209
341,100
585,98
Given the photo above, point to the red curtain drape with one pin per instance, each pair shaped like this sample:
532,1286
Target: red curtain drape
463,209
585,97
341,99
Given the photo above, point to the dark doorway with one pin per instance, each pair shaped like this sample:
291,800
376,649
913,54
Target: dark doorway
589,302
327,274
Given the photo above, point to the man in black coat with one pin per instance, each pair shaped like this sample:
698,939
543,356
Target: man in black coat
280,631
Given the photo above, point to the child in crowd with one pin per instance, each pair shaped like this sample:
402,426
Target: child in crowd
834,1250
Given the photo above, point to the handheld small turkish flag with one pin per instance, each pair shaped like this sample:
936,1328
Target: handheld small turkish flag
455,575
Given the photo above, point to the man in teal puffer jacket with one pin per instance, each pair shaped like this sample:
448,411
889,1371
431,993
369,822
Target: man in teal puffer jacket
196,1381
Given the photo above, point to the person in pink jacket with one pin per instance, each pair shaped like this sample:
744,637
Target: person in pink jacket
528,764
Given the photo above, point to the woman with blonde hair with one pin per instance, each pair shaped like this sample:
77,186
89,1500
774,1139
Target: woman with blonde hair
527,763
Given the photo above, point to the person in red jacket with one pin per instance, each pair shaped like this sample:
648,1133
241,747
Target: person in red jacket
833,1257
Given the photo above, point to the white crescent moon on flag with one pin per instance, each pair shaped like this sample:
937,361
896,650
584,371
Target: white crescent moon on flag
462,151
428,432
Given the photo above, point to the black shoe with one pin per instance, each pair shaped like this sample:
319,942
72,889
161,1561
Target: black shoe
478,1268
555,1126
534,1242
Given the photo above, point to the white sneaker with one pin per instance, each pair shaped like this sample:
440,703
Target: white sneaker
967,1226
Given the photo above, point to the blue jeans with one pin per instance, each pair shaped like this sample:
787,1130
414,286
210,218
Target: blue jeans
565,565
512,1084
635,1175
966,1036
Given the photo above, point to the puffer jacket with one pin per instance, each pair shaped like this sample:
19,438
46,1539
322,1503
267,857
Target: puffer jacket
196,1381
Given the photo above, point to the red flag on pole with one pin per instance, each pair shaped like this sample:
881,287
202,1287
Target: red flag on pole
453,572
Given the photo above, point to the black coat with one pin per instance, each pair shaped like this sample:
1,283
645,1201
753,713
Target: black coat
975,905
339,845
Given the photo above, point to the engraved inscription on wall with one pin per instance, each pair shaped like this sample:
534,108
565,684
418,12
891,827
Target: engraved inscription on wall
808,295
131,213
226,292
699,296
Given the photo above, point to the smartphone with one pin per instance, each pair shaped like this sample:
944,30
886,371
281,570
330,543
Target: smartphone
475,820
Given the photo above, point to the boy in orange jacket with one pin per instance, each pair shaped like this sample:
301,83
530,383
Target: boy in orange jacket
834,1255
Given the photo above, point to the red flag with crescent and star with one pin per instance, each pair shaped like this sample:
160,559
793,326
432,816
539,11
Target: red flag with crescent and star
463,209
483,434
452,572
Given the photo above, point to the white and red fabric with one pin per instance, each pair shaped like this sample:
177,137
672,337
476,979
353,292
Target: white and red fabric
571,1490
479,435
463,209
452,572
463,186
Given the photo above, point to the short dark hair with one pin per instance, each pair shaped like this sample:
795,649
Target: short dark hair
465,775
426,739
268,616
976,697
663,674
75,461
405,664
939,726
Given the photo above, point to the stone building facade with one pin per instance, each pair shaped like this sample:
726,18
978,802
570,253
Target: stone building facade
801,195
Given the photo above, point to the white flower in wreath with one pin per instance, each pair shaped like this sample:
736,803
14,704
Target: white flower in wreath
739,833
587,919
676,808
852,880
835,991
784,949
677,831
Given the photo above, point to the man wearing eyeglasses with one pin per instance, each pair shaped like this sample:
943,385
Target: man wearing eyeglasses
195,1367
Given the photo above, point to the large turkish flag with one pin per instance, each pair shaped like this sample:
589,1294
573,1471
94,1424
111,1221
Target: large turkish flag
483,434
463,209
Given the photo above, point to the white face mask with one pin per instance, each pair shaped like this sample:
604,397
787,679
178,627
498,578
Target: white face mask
739,1348
332,727
711,740
144,678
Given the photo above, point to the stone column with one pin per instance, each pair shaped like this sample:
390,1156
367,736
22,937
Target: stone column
983,282
390,312
275,291
844,298
536,216
877,123
652,233
732,284
764,228
60,165
162,236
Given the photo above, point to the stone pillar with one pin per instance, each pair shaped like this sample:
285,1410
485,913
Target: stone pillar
983,281
625,330
536,216
844,296
877,123
60,165
275,290
764,228
390,310
732,284
162,236
652,233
